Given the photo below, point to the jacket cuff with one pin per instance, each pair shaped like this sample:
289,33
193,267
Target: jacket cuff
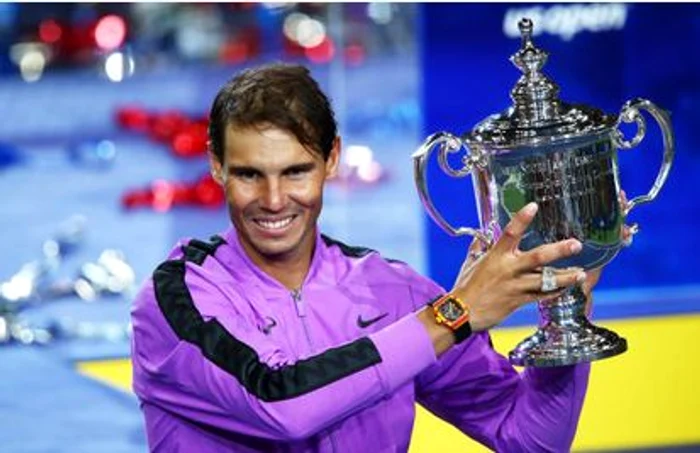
406,350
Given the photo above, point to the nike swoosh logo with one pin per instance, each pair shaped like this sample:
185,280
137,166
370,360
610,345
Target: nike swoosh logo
267,328
364,323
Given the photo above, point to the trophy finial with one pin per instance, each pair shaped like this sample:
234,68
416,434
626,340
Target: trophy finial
525,26
529,58
535,95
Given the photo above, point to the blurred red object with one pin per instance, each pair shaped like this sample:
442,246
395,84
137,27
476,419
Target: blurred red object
133,118
50,31
355,54
76,42
186,135
191,141
163,195
164,126
208,192
322,53
110,32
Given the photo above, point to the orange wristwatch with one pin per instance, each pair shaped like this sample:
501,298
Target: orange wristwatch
453,313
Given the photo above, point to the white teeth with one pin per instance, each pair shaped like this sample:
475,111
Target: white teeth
276,224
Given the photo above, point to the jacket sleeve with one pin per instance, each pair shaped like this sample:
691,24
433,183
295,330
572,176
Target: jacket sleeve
478,391
220,371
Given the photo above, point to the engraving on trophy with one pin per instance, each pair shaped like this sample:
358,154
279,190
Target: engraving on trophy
574,188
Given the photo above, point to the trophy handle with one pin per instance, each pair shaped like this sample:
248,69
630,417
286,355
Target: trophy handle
449,144
630,113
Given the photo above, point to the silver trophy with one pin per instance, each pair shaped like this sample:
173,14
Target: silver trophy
563,157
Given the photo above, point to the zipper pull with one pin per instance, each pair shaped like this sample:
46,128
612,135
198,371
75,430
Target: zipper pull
298,303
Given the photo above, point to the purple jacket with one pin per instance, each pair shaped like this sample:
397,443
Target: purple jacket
227,359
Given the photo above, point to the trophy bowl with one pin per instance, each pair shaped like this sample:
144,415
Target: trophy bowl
564,157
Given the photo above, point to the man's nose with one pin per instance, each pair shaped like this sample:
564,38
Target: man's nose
273,195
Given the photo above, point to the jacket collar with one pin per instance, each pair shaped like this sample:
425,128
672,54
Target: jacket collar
319,270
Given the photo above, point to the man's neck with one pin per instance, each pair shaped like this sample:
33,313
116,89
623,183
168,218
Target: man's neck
290,270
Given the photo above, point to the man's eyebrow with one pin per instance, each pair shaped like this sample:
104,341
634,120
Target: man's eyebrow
300,167
242,168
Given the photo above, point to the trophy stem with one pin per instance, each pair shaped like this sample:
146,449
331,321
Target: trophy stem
566,336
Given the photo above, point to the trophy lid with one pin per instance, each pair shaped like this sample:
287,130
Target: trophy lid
537,116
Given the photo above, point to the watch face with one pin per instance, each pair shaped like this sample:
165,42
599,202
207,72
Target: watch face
451,310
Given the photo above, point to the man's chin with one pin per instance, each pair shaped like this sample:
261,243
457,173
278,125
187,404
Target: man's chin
276,253
275,248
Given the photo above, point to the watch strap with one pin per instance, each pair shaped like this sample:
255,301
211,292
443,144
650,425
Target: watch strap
462,332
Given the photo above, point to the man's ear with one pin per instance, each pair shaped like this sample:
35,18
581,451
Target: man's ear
333,160
215,167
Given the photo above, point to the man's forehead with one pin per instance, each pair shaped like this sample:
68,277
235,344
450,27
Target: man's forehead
260,131
265,143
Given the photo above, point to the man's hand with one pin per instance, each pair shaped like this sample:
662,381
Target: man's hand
505,278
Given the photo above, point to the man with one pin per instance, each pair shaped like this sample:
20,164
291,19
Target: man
275,338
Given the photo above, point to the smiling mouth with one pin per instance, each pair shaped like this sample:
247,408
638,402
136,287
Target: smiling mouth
274,225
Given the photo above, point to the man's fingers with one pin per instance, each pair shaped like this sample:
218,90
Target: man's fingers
531,285
563,278
627,233
548,253
623,199
517,226
475,251
626,237
476,247
592,278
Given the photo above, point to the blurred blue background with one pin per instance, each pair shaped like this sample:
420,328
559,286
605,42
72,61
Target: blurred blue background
72,76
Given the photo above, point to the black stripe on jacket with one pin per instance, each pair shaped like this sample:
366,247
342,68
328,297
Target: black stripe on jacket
237,358
354,251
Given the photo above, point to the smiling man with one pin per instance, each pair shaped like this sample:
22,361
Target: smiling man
274,188
272,337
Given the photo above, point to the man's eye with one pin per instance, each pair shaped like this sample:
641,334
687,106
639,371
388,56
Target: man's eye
246,174
297,173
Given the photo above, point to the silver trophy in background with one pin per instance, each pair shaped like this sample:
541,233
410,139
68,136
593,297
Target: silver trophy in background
563,157
39,283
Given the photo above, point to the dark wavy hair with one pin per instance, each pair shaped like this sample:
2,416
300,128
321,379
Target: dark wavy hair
281,95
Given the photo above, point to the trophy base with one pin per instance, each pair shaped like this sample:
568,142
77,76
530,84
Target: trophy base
566,340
